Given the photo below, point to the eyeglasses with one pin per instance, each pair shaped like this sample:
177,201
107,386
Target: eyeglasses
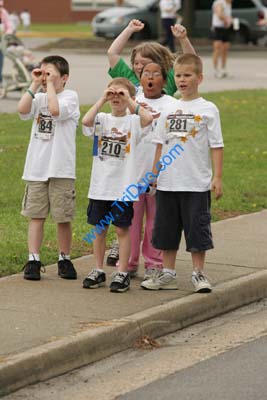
147,74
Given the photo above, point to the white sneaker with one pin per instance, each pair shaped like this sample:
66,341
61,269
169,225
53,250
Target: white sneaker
151,272
163,280
200,282
218,74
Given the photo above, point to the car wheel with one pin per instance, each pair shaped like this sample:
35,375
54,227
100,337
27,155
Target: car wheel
240,36
143,34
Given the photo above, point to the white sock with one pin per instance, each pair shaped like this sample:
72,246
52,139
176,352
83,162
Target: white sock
170,271
34,257
63,256
123,273
100,270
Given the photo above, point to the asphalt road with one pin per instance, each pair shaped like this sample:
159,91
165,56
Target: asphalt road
89,77
239,374
220,359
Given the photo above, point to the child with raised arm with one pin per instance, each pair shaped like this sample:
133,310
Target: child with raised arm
144,53
183,197
116,136
50,162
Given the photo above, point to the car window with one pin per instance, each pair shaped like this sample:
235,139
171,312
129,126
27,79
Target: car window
243,4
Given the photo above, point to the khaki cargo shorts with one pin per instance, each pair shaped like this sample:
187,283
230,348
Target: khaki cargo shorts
56,195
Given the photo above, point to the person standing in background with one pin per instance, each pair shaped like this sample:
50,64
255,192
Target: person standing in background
221,23
14,18
168,15
5,27
25,17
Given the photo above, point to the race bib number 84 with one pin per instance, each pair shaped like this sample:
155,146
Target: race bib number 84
45,127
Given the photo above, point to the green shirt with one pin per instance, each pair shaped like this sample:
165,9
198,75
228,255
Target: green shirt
121,69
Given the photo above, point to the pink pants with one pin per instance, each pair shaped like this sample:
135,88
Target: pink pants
153,257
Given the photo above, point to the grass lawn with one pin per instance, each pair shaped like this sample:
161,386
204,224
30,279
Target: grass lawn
243,118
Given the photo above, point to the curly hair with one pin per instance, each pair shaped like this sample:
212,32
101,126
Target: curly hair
156,52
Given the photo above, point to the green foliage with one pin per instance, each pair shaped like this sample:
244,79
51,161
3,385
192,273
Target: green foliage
243,119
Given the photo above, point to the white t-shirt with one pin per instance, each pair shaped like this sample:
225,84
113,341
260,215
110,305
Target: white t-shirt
146,149
52,150
168,8
25,17
227,11
114,155
195,126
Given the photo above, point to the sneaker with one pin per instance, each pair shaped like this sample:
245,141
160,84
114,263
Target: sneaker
66,269
151,272
200,282
94,279
218,74
32,270
120,283
113,256
162,280
133,272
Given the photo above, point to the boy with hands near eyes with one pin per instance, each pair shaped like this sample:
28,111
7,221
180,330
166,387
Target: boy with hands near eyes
49,169
114,169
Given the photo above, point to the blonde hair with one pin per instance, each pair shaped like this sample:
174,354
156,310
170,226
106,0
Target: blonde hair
125,83
190,59
156,52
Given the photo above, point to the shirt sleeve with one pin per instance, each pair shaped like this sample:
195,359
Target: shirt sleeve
159,133
68,106
97,128
121,69
30,115
170,87
215,137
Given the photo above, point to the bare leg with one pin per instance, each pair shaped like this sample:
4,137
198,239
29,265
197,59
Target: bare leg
169,257
217,51
124,247
225,48
198,260
99,246
35,234
64,236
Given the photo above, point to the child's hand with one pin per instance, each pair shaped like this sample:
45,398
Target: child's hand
179,31
109,94
37,76
135,25
123,93
51,74
216,187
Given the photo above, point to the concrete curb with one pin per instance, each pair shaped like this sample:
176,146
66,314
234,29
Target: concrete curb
64,355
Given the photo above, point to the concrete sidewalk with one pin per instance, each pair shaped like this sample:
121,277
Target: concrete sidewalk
53,326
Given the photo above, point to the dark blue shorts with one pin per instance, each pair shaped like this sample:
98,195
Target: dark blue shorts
182,211
103,213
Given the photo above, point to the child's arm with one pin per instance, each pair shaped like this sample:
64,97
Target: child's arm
217,161
179,31
118,44
135,108
89,117
155,168
25,103
52,100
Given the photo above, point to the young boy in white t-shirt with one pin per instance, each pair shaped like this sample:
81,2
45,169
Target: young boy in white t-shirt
116,136
50,162
184,183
